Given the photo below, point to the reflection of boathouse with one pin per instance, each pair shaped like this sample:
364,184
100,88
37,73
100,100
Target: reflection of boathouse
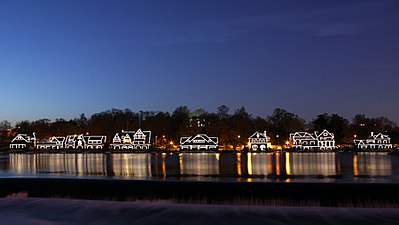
131,165
260,163
132,140
204,164
200,141
72,164
372,164
324,164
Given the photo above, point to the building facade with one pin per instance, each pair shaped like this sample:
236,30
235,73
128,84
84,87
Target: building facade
199,141
374,141
259,141
52,143
85,141
23,141
132,140
313,141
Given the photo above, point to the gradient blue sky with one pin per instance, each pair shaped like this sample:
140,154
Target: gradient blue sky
62,58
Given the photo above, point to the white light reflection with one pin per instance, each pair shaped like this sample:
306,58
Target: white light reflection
259,163
131,165
199,164
311,164
372,164
59,163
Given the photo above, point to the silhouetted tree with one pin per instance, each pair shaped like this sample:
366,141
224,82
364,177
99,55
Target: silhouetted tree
361,126
283,123
232,130
243,126
180,119
160,125
5,131
321,122
335,124
261,124
223,112
82,123
61,127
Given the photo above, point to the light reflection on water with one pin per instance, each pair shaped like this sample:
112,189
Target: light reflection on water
131,165
205,164
372,164
262,167
323,164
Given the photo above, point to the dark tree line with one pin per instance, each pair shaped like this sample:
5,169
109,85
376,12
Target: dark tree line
233,129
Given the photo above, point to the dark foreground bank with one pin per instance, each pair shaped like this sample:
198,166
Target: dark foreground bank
37,211
371,195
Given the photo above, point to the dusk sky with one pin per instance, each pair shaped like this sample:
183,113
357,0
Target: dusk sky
62,58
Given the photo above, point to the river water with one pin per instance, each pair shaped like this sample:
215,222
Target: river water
241,167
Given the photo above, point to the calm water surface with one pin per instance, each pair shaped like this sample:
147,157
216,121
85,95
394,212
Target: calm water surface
245,167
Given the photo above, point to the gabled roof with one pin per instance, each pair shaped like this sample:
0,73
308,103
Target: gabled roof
359,142
20,137
71,137
126,136
184,139
258,135
57,139
204,137
116,139
138,133
133,136
198,137
325,133
380,136
302,135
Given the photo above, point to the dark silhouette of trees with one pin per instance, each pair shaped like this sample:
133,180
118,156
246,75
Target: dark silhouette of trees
242,124
113,121
62,127
180,119
321,122
5,131
223,112
160,125
335,124
283,123
232,129
362,126
198,121
82,123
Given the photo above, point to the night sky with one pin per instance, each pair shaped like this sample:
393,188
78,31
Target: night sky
62,58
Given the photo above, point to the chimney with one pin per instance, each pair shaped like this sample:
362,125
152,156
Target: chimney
372,133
